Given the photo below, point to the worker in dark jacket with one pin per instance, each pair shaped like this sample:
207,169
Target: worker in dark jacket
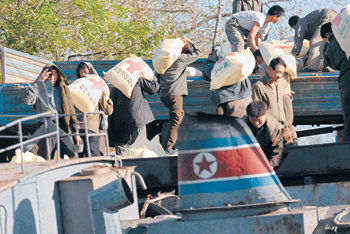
173,86
105,104
51,93
130,115
267,130
336,58
230,100
247,5
308,28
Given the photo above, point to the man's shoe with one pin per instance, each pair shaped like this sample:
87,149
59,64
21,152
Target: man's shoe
173,152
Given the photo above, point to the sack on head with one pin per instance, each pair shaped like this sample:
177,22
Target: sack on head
166,54
269,52
86,92
125,74
341,29
231,69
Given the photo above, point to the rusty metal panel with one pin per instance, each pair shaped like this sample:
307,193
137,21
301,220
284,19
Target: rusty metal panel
18,67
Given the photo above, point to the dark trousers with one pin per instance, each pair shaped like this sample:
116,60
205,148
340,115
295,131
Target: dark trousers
94,142
345,102
235,108
176,114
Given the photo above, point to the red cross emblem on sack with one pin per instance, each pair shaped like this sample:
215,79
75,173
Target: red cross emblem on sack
98,84
134,66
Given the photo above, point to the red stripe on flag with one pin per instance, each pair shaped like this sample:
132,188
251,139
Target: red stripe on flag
238,162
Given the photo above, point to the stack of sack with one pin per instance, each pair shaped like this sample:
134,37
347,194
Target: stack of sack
287,45
270,51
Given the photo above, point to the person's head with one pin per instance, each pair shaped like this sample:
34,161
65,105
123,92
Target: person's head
277,68
275,12
84,69
187,49
326,32
257,113
258,57
55,76
293,20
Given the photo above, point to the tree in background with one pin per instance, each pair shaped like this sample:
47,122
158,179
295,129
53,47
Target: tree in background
57,29
112,29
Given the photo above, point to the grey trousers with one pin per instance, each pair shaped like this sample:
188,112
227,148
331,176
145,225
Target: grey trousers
47,149
235,108
235,35
317,45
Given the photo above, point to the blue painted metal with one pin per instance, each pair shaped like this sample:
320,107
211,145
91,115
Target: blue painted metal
221,164
322,194
109,199
308,220
31,201
317,97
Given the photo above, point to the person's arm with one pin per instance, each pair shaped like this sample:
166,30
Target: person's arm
150,87
106,105
261,6
206,73
31,93
300,31
236,6
73,120
339,57
30,96
187,59
257,94
276,146
252,37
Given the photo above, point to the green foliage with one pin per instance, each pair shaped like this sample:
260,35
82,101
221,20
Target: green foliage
60,28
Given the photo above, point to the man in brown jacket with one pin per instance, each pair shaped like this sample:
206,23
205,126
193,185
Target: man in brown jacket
268,89
267,130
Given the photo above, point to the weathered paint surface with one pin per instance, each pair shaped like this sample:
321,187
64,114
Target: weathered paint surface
221,163
325,194
18,67
306,220
316,99
30,202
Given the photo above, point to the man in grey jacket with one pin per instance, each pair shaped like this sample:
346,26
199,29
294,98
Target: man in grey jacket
173,86
308,28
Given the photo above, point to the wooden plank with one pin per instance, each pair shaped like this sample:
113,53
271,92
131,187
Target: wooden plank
18,67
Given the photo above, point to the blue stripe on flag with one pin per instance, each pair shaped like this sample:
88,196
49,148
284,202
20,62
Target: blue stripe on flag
228,185
210,143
